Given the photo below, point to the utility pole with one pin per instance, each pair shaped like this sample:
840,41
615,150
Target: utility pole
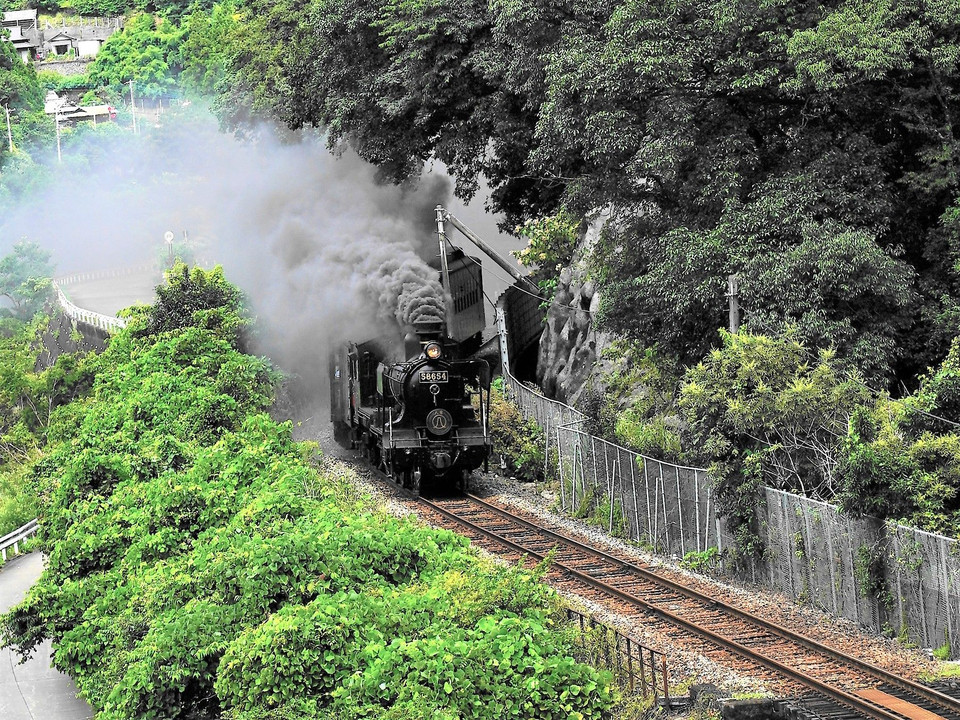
133,109
442,237
9,133
733,290
56,116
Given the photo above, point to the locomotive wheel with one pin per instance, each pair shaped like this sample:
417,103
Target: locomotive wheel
341,434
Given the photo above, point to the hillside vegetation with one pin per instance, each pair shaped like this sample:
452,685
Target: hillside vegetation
810,148
201,564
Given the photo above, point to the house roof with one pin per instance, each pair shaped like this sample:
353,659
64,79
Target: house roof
15,15
53,104
60,36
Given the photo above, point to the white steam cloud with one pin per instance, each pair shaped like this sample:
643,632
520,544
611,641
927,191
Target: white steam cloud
322,250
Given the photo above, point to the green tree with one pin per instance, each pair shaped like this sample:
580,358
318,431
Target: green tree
25,279
19,89
204,53
199,565
551,243
193,297
20,93
763,412
731,137
144,52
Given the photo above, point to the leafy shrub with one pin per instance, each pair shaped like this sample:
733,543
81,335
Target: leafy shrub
199,567
520,442
551,242
633,401
18,503
25,274
765,413
655,437
50,80
194,298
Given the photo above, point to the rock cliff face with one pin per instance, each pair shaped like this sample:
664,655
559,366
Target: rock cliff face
570,346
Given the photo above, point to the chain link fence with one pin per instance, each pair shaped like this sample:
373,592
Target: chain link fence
885,577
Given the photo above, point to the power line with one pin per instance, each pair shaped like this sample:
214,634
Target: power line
881,394
515,285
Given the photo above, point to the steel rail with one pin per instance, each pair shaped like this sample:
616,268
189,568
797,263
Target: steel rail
903,683
855,703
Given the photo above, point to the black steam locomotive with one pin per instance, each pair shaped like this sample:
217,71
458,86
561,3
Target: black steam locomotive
424,419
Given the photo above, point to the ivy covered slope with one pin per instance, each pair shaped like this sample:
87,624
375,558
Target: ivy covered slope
200,566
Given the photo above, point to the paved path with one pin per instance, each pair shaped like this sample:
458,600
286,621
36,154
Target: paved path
35,690
109,295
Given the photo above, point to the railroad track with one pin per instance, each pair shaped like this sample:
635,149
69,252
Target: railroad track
837,678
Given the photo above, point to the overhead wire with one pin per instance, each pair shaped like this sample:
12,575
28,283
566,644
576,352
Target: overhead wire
511,282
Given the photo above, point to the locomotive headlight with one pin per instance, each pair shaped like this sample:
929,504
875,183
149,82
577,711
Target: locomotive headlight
433,351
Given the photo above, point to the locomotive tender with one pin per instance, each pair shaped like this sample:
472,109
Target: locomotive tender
424,418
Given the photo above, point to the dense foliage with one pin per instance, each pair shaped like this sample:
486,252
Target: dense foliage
21,95
24,280
768,412
808,148
199,565
551,243
519,442
142,52
28,396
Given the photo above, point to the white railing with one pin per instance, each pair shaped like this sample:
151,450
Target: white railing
107,323
16,537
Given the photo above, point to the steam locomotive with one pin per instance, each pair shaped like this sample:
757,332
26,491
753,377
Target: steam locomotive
423,419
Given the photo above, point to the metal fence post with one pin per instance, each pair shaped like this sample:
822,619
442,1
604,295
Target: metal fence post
696,507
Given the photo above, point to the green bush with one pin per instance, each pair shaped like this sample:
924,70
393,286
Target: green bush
551,242
18,503
520,442
766,413
199,566
50,80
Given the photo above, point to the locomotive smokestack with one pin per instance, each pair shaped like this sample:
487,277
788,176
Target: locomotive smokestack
411,345
428,329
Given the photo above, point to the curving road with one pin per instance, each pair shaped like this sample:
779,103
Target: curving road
108,296
34,690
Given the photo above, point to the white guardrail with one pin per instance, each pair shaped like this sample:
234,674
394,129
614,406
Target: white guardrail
16,537
107,323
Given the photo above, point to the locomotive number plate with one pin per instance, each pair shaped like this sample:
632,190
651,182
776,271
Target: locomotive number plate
433,376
